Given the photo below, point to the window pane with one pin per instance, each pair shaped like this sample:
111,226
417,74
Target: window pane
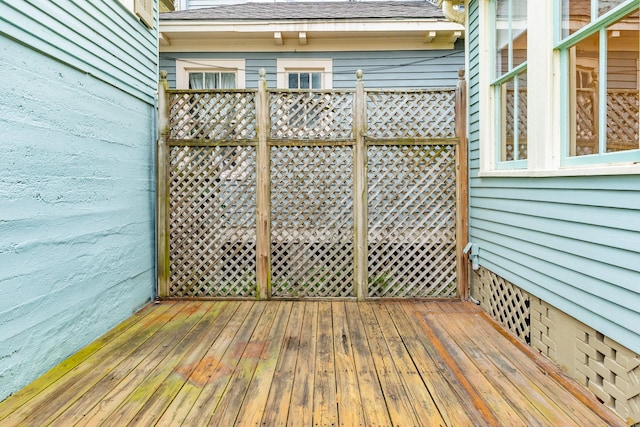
227,80
316,80
304,81
605,6
623,40
195,81
293,80
211,81
502,37
575,15
519,31
514,103
511,35
522,116
584,96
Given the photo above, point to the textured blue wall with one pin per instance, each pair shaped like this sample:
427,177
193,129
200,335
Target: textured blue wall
76,210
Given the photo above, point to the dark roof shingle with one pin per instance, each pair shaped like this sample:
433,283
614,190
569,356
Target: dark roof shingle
318,10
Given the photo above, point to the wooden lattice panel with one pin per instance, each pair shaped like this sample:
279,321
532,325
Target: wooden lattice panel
212,221
510,305
586,128
311,115
424,114
212,115
312,221
412,209
622,120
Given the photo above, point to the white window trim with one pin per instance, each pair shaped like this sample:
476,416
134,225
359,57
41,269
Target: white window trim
544,117
296,65
185,66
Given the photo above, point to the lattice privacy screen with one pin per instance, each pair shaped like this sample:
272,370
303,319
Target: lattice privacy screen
304,115
410,114
212,115
312,221
412,209
212,221
308,140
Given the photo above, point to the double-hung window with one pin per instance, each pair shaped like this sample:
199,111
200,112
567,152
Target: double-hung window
509,82
599,45
210,74
304,73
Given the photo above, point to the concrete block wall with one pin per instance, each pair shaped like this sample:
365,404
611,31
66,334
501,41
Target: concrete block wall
76,210
606,368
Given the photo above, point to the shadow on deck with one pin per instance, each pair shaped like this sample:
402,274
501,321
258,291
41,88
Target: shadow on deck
223,363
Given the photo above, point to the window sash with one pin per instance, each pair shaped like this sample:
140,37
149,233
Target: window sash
498,99
597,25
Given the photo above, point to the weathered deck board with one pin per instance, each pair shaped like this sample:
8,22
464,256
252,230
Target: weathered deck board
317,363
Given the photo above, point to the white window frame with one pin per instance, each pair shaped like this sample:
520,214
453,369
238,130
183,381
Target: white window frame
598,25
512,73
544,109
185,66
285,65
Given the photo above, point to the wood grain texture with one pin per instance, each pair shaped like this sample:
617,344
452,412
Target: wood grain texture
316,363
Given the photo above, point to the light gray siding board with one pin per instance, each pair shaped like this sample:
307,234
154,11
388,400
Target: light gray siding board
569,248
619,199
623,243
595,216
381,69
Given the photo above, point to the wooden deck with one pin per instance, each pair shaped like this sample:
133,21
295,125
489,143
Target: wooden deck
224,363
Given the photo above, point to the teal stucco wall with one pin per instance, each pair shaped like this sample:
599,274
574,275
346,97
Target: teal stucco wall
76,184
573,241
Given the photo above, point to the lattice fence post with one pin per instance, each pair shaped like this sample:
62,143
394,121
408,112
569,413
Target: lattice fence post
360,191
263,197
462,197
162,189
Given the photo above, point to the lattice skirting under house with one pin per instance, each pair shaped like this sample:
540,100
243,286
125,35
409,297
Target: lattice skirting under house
609,370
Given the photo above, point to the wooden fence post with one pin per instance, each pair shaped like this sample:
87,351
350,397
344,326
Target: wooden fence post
263,194
462,188
162,189
360,201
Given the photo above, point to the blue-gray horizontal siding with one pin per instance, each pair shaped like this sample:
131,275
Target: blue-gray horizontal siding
382,69
572,241
76,198
98,37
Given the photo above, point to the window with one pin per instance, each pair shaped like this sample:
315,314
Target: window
304,79
210,74
509,81
305,73
212,80
599,44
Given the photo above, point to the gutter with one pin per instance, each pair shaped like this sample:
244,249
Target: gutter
447,7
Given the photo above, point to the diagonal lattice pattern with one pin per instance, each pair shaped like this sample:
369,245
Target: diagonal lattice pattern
623,108
212,221
306,115
212,115
509,305
412,239
312,222
411,114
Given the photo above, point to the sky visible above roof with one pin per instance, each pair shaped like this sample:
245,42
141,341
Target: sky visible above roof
316,10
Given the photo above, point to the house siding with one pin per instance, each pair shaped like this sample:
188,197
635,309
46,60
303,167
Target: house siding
382,69
76,179
572,241
102,38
